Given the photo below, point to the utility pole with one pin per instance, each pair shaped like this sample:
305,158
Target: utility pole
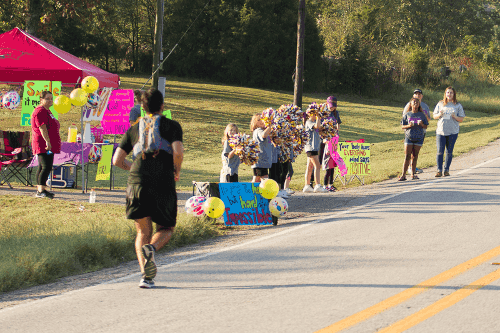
157,57
299,68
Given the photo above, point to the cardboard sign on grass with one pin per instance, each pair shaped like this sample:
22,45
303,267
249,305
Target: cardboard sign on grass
104,166
31,98
244,205
356,157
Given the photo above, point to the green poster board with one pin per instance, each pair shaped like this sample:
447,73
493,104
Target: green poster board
31,98
104,166
166,113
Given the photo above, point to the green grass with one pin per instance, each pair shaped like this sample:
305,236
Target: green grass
42,240
41,248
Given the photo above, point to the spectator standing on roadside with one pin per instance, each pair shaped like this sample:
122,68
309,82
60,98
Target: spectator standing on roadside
151,195
449,114
417,93
313,126
135,112
413,123
261,136
230,161
45,142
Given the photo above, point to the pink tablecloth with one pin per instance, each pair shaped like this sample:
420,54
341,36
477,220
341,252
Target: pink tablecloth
70,152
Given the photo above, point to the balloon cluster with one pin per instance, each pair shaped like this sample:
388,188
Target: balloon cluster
286,132
318,110
199,205
246,148
328,128
269,189
78,96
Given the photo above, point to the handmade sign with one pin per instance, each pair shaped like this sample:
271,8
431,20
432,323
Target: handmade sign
96,105
31,98
244,205
116,117
104,166
356,157
166,113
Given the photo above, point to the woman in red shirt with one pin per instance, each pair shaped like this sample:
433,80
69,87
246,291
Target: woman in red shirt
45,141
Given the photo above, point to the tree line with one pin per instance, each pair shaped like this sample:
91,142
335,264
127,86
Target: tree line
357,46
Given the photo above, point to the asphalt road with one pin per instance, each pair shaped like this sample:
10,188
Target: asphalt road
419,259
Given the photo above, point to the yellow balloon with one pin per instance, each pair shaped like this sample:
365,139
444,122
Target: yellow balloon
62,104
78,97
90,84
269,188
214,207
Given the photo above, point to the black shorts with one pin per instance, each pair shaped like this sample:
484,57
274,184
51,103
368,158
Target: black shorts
260,172
312,153
160,203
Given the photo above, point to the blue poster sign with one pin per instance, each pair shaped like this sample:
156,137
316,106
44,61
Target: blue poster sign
244,204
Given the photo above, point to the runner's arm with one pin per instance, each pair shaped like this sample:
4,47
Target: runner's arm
119,159
178,152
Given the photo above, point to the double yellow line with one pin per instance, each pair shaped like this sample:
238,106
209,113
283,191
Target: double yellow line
431,310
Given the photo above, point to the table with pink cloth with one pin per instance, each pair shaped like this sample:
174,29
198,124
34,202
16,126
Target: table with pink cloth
70,152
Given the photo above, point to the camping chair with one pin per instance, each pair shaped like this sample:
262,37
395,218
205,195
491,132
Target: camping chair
205,189
15,154
2,177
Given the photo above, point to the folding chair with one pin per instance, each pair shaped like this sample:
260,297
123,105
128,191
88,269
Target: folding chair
2,178
15,154
206,189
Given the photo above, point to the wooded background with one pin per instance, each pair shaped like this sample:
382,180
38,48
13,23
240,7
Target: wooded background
353,46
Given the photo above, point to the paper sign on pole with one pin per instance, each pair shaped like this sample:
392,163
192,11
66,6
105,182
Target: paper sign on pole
116,117
90,111
31,98
244,205
356,157
104,166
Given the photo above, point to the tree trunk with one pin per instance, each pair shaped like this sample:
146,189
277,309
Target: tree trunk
299,68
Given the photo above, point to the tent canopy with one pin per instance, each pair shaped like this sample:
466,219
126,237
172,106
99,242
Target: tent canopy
24,57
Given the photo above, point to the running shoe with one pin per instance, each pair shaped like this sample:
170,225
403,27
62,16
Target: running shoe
42,195
289,191
49,194
283,194
148,251
319,189
308,188
446,173
439,174
146,283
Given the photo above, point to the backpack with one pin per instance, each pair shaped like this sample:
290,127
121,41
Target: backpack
150,140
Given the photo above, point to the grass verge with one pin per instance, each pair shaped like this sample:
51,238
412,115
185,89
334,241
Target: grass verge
43,240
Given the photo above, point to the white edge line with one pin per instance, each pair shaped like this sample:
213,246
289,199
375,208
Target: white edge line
202,256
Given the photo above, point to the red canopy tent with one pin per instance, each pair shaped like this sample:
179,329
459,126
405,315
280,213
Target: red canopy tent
25,57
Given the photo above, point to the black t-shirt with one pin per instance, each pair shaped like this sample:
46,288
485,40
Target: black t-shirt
157,170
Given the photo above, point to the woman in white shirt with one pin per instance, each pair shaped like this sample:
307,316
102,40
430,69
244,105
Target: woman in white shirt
449,114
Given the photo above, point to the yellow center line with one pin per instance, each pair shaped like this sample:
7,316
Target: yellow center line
440,305
409,293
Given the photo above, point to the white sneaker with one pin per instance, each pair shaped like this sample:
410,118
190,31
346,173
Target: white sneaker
289,191
307,188
283,194
319,189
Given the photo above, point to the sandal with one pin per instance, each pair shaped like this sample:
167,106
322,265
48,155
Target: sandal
401,178
414,177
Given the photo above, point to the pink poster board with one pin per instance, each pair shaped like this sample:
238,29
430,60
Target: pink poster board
116,117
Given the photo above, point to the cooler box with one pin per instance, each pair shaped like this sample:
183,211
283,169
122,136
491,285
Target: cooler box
63,176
